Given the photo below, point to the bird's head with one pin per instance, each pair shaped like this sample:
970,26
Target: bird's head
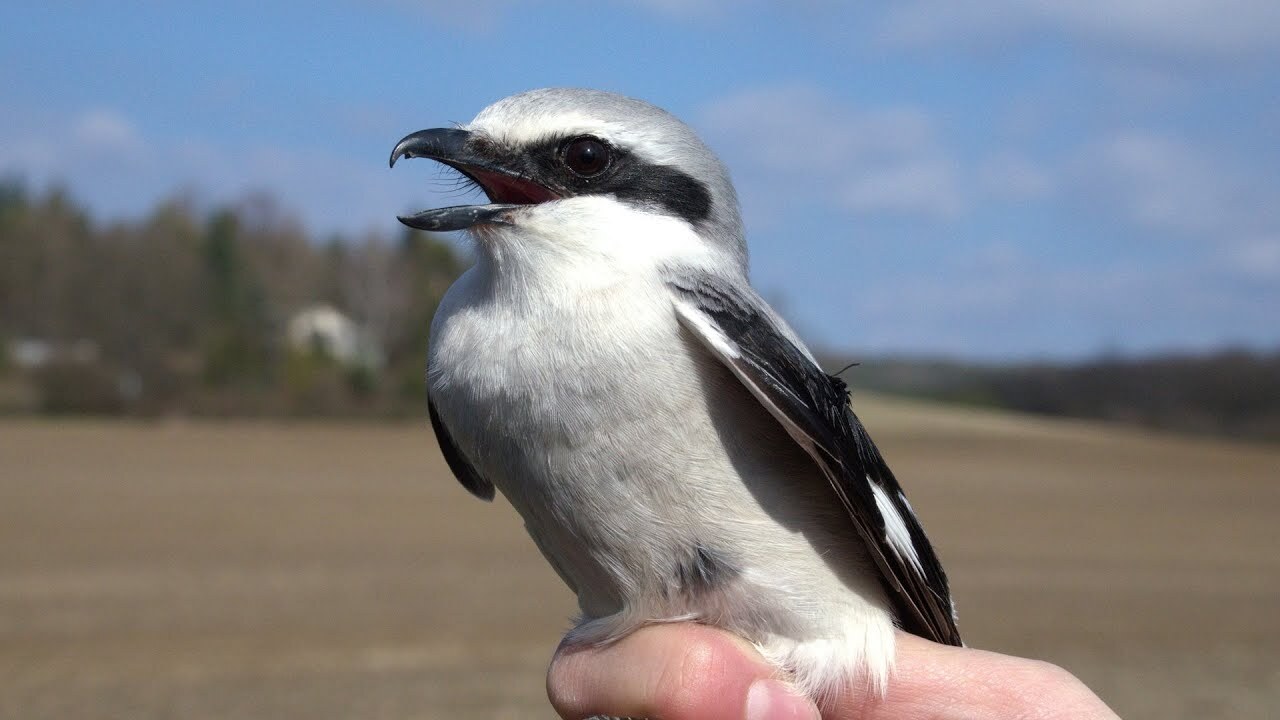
583,166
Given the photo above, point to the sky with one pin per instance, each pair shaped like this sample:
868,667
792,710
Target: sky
993,180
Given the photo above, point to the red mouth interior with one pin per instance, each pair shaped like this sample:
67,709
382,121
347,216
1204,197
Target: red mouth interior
510,190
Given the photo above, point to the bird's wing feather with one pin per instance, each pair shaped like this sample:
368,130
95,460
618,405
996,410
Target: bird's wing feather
744,334
458,462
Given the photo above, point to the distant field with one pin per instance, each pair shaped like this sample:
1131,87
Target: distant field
242,570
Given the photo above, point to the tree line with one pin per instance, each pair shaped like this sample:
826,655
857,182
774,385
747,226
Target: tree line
186,310
1232,392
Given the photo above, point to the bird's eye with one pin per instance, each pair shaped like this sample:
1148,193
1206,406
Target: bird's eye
586,156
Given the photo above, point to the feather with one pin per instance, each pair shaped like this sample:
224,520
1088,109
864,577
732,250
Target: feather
738,329
458,463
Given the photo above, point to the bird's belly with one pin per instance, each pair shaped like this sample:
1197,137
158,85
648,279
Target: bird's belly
648,476
589,427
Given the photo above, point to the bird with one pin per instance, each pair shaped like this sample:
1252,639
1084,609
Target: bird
674,449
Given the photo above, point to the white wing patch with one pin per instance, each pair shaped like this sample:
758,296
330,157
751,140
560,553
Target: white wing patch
895,528
708,331
715,340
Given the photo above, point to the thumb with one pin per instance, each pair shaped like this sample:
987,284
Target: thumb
679,671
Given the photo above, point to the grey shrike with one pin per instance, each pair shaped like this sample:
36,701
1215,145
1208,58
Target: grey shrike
674,449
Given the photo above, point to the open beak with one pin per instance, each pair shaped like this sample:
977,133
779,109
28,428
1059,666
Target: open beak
501,180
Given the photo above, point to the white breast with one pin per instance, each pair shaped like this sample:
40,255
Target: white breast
624,446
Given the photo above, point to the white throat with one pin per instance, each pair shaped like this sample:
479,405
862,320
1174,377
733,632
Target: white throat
588,243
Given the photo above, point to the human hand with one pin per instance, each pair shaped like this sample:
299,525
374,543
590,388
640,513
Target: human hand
684,671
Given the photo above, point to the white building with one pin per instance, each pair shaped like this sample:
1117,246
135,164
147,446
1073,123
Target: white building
323,329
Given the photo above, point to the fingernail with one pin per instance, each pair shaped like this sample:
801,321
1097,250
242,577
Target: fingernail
774,700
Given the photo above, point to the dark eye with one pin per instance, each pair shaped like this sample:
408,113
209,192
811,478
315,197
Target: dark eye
586,156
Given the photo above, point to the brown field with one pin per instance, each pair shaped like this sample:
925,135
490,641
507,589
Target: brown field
239,570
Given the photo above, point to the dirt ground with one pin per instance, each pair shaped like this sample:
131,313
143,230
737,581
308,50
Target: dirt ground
241,570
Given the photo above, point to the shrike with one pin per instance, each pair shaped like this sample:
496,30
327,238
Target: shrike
674,449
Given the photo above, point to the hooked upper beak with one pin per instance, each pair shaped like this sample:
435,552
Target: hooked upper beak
500,178
447,145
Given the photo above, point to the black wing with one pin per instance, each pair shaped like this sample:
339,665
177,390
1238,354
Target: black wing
458,463
814,408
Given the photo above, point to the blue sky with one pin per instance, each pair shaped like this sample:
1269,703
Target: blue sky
994,179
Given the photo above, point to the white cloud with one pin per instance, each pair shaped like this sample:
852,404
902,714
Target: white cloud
798,140
1000,301
1013,176
1255,257
486,14
106,130
473,15
1221,27
120,171
1147,86
906,189
1165,183
691,8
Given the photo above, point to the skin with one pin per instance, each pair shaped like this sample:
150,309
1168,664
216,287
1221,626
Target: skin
685,671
